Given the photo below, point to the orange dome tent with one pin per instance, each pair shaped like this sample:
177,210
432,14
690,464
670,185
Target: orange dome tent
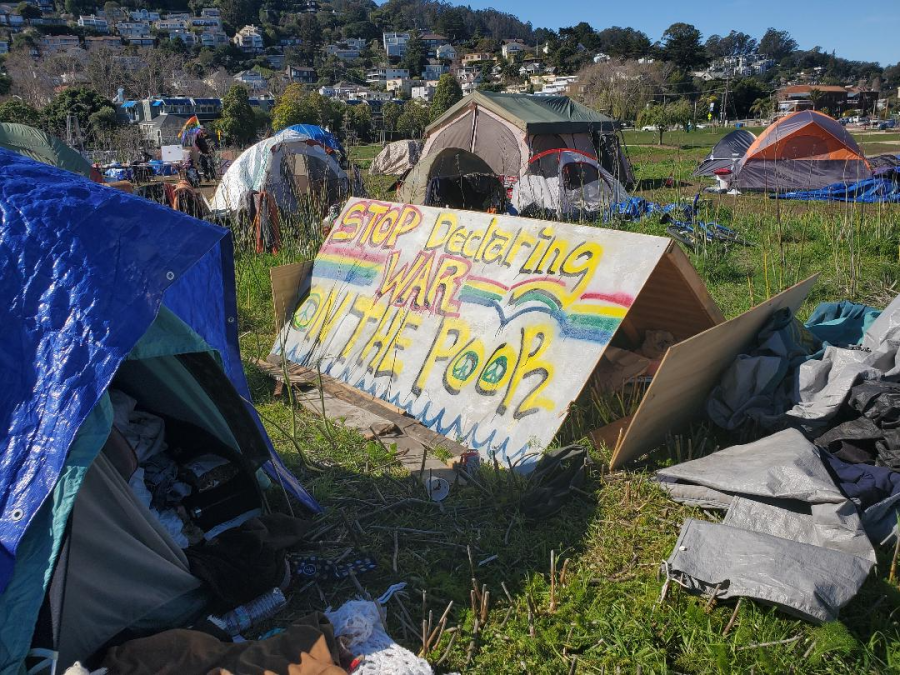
806,150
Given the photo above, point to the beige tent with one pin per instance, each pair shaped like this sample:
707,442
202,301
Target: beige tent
396,158
453,178
507,129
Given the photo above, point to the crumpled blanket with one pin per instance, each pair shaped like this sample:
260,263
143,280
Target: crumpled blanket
358,624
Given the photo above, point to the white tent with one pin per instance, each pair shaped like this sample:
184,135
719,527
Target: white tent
287,166
565,183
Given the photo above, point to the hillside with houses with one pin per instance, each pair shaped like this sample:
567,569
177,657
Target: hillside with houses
181,59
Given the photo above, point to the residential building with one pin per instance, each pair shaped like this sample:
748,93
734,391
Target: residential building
54,44
309,7
342,51
163,130
476,57
264,102
512,48
290,42
275,59
301,74
186,36
144,15
249,39
399,85
94,22
345,91
252,79
395,43
434,70
206,109
213,38
384,73
469,77
10,18
355,43
108,41
206,22
446,52
432,41
174,16
557,85
835,99
423,92
133,29
168,24
211,13
530,68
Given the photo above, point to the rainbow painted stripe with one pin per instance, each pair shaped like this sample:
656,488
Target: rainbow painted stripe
344,265
592,317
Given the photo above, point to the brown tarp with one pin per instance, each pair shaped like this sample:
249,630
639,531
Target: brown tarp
308,647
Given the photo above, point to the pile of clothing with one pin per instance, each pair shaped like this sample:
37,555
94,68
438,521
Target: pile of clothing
182,472
804,505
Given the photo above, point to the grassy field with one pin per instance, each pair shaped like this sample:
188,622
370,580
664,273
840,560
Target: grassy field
606,614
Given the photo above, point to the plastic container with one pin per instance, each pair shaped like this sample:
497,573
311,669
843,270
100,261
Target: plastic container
264,607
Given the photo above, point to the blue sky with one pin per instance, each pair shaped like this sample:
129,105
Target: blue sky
866,30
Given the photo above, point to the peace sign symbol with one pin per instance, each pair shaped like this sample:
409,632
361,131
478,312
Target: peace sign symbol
306,312
465,365
495,371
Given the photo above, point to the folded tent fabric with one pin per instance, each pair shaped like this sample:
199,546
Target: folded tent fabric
790,537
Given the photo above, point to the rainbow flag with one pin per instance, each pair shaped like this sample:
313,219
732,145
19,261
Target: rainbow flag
190,128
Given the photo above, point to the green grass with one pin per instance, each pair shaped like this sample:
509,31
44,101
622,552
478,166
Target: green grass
608,615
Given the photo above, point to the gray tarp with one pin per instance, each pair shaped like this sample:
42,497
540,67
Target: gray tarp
824,384
790,537
396,158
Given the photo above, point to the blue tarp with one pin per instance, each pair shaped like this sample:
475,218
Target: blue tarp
84,271
869,191
326,138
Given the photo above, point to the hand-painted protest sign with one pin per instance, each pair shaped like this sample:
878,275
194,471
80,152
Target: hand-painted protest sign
483,327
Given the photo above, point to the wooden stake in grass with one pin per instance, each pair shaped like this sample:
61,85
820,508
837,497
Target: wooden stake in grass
731,621
893,575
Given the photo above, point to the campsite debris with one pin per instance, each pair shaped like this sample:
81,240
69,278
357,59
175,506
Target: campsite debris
359,624
246,616
552,581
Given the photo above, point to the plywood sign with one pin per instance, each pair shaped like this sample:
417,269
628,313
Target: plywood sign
484,328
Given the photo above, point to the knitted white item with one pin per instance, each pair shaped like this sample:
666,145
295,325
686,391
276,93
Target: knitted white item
359,623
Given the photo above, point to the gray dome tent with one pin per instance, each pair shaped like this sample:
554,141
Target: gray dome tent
454,178
726,153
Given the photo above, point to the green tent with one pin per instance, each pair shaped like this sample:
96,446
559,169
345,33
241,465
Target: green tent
506,130
42,147
454,178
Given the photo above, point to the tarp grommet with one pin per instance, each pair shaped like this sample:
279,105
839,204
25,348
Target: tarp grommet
170,275
17,515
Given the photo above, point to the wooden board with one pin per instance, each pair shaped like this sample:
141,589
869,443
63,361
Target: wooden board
690,370
483,327
368,415
289,284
